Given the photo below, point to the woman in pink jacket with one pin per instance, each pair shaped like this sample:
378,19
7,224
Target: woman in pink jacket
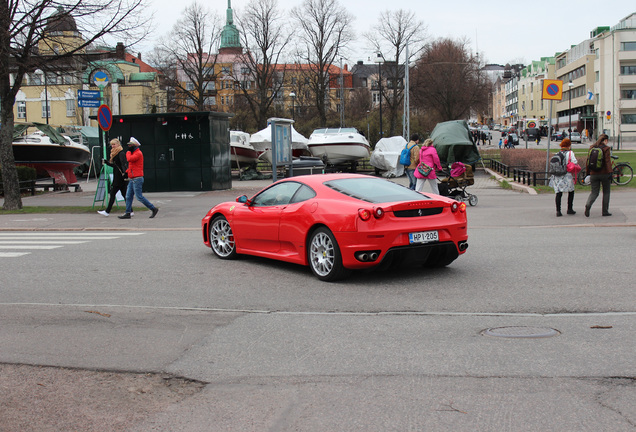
428,155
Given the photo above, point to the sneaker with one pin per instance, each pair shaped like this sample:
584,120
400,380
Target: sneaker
132,213
103,212
154,212
124,216
607,214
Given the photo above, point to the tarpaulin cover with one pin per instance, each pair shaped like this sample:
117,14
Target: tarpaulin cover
386,156
453,143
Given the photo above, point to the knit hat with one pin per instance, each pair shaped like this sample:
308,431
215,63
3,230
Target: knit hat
134,141
566,143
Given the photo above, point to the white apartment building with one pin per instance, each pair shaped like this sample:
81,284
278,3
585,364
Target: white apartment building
615,79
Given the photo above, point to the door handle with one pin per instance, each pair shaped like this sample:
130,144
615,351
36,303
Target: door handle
171,154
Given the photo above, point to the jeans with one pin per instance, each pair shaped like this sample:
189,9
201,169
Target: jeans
410,173
134,189
598,180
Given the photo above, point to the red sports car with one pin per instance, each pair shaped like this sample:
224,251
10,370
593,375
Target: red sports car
338,222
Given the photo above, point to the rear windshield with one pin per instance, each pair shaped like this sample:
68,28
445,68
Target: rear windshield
374,190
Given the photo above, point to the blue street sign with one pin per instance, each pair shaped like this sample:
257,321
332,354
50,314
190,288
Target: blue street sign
88,103
88,94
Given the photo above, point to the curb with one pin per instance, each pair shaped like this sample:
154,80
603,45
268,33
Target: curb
515,186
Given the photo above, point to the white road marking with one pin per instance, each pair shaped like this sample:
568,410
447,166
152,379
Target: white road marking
13,254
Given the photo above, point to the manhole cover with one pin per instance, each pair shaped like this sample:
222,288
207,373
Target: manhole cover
521,332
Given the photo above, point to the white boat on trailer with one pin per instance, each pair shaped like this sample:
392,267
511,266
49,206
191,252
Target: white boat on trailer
262,142
242,153
338,145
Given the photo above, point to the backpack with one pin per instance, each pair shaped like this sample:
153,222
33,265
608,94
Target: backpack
557,167
595,159
405,155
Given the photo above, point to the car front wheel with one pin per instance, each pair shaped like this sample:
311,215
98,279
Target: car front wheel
222,238
325,259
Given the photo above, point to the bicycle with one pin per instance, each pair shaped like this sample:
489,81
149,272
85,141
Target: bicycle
622,173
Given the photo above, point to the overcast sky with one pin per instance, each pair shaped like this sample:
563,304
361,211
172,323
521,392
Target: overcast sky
503,31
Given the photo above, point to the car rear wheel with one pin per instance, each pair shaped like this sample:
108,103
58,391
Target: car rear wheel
222,238
325,259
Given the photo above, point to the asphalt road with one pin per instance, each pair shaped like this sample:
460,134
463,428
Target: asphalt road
276,349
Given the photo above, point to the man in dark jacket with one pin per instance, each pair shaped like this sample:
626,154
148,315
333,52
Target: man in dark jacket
603,177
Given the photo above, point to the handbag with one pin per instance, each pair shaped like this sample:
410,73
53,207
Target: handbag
572,167
424,169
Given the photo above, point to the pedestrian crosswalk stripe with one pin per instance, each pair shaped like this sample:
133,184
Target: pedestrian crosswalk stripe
13,243
28,247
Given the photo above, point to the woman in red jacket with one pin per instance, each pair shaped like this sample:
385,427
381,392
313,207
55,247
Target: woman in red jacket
135,174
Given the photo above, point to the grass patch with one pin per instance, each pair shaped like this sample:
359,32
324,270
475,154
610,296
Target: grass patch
57,210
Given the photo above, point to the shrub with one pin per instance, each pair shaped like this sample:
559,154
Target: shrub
531,159
24,173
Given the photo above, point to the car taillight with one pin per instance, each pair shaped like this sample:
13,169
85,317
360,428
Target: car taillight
364,214
378,212
458,207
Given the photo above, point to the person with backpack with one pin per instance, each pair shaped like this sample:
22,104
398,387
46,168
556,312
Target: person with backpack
414,159
561,180
599,168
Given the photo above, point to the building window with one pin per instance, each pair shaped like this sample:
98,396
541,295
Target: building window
70,107
597,76
628,46
189,86
628,118
46,109
363,82
628,70
21,109
36,79
225,69
245,70
628,94
210,101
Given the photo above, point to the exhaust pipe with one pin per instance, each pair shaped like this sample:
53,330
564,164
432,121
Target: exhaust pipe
463,245
373,256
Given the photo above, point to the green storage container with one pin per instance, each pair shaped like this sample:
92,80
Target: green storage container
182,151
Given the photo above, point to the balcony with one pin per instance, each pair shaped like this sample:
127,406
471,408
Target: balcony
626,55
626,79
627,104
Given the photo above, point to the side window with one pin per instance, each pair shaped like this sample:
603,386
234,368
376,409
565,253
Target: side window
303,194
276,195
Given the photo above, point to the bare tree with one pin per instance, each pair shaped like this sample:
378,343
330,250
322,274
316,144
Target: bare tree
448,81
186,58
390,37
264,35
24,33
325,32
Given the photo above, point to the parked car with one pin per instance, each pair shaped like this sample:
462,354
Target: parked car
575,137
335,223
513,139
558,136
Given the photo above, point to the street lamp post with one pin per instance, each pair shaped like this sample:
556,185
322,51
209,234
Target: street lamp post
292,95
368,129
570,84
379,60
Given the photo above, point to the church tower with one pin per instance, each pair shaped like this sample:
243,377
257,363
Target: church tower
230,42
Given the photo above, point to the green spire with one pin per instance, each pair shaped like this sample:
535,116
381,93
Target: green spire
230,34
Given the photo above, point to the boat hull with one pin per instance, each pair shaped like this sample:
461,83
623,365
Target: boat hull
53,160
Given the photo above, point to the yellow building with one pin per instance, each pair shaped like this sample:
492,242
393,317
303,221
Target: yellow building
50,94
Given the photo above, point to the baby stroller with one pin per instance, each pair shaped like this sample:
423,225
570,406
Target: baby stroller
456,181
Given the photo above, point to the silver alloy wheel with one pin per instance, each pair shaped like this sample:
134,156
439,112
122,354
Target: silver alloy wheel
322,254
221,238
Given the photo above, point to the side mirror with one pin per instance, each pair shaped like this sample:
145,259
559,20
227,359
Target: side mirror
242,199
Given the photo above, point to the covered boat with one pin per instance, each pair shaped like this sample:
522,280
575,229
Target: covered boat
338,145
48,151
262,142
386,156
453,142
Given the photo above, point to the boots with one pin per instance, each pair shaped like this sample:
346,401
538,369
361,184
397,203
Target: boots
571,203
557,201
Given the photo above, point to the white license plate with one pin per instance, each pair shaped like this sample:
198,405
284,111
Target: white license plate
423,237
